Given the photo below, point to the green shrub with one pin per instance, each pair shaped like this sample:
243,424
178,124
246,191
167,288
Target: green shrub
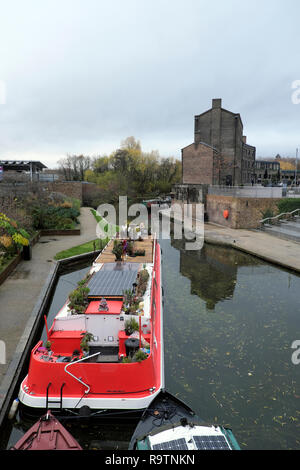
288,205
139,253
54,217
139,356
268,213
117,250
131,326
142,282
78,300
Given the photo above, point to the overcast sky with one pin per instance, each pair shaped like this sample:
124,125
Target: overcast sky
79,76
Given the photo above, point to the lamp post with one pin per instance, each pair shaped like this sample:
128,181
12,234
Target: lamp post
296,177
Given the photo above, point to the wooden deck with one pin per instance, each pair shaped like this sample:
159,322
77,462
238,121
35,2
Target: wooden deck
108,257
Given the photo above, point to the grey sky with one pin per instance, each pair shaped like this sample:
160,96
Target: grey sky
82,75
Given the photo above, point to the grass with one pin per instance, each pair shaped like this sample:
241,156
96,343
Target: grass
104,225
88,247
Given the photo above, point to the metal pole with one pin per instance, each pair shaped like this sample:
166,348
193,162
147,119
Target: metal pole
296,167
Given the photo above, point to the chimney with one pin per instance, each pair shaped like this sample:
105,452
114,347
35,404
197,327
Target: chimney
217,103
244,139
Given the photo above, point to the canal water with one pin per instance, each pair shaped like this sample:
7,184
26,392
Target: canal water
229,323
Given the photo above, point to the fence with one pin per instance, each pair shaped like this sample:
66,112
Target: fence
247,191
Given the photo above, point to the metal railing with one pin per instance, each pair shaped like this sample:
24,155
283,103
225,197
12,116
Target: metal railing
246,191
278,218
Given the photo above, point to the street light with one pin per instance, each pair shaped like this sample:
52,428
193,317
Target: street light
296,167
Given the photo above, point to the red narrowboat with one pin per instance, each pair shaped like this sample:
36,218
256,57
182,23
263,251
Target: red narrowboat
106,353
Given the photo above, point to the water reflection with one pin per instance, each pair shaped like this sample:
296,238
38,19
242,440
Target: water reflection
228,348
212,271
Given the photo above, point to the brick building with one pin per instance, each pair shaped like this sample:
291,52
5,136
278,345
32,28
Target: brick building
220,154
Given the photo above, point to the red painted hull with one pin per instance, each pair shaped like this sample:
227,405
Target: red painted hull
47,434
120,386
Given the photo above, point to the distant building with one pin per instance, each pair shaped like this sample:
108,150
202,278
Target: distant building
220,153
16,168
266,170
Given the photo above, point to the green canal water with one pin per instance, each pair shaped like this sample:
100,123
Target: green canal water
229,323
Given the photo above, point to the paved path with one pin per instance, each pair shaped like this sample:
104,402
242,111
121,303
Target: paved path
19,293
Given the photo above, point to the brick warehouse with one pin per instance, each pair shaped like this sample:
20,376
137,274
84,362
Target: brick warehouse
220,154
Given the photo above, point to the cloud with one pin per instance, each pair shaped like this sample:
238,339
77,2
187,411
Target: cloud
82,75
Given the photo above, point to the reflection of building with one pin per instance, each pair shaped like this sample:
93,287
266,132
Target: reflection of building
220,153
212,271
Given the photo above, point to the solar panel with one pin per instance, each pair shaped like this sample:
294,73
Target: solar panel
211,443
112,280
177,444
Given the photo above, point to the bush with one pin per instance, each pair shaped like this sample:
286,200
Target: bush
131,326
267,214
117,250
54,217
288,205
78,299
142,282
139,253
12,238
140,356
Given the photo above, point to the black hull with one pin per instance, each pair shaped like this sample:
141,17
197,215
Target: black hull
165,410
83,415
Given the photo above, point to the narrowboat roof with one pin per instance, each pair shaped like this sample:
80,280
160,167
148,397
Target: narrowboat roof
113,279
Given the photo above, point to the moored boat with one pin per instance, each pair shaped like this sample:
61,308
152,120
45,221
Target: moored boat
47,434
170,424
104,349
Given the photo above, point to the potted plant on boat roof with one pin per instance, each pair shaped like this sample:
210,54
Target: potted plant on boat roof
117,250
131,326
78,299
84,344
139,356
142,282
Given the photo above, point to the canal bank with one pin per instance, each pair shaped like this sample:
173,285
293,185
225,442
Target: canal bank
285,253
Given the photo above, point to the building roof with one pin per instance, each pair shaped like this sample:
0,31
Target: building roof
201,143
217,103
22,165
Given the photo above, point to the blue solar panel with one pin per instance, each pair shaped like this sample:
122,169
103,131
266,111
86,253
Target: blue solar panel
177,444
113,280
211,443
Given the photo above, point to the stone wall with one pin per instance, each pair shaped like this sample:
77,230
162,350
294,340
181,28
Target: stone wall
68,188
243,213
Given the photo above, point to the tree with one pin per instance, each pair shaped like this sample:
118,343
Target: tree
73,167
132,172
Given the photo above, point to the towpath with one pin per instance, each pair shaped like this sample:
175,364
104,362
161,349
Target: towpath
285,253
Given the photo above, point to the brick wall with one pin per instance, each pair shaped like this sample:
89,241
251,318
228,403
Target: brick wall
197,164
243,213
